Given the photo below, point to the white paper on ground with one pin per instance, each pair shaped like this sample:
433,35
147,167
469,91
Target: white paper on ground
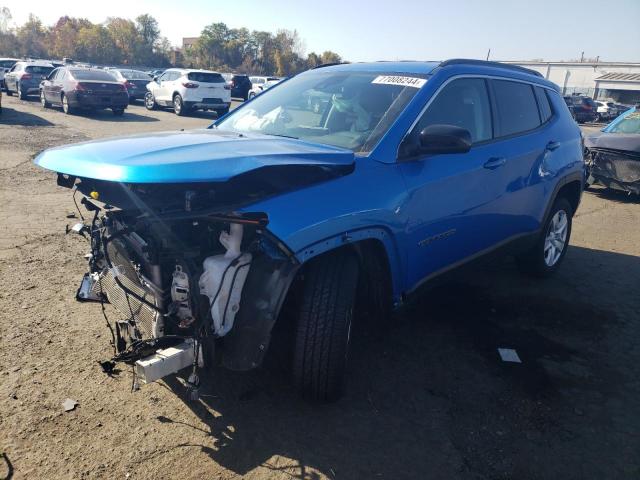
509,355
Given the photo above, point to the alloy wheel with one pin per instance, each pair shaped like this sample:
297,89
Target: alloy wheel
556,239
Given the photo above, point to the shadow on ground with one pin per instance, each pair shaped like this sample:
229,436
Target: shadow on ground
429,397
9,116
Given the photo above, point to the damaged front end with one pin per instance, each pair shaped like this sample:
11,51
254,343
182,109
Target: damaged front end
182,274
615,168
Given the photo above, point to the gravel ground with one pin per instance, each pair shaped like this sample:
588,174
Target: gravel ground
427,398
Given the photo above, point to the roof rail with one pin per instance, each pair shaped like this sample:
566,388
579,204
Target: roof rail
507,66
330,64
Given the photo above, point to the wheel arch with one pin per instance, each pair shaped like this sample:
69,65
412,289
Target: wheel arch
272,282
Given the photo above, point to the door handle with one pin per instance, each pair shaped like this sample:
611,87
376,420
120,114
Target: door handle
494,162
551,146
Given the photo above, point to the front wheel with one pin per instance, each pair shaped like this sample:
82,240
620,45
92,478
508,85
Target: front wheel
323,327
150,101
547,254
6,89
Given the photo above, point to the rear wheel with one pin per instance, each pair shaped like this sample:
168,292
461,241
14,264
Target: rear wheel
547,254
222,111
43,100
324,326
21,93
150,101
118,111
178,105
66,108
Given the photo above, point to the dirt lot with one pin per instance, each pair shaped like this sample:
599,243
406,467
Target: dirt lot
429,398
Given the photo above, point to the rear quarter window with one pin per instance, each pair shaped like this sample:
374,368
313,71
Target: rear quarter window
517,109
543,104
205,77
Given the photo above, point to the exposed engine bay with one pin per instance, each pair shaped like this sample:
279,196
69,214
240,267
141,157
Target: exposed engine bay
180,276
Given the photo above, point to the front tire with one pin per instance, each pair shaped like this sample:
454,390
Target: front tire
150,101
324,326
6,89
545,257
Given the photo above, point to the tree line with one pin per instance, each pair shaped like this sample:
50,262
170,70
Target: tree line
139,42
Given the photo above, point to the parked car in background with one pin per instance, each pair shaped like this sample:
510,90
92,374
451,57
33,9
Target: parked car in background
24,78
260,84
5,66
605,111
156,72
76,88
240,86
0,100
584,108
186,90
411,169
134,81
613,155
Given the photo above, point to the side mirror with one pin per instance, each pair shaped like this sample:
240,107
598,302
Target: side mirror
444,139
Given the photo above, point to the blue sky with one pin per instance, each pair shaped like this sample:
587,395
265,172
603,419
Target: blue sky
362,30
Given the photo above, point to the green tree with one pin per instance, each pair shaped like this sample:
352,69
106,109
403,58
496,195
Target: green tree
330,57
95,44
31,38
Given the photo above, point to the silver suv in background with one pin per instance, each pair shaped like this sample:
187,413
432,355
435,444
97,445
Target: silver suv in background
24,78
5,66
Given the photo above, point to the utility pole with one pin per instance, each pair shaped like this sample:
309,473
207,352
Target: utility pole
488,53
582,57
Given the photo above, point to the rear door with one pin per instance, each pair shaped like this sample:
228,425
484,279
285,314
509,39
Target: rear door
47,84
451,207
524,140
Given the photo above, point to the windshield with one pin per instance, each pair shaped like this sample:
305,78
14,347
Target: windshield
205,77
39,69
134,75
345,109
629,124
99,75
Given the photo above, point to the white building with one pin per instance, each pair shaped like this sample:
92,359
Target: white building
619,81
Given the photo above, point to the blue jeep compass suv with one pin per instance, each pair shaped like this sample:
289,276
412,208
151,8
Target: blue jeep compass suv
394,174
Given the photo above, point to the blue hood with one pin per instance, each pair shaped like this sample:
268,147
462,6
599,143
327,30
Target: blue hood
204,155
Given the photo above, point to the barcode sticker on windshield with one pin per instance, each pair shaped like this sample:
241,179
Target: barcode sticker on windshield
398,80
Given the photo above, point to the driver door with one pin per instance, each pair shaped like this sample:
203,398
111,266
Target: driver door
452,200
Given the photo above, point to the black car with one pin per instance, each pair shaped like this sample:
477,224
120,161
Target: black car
134,81
613,156
584,108
240,86
86,88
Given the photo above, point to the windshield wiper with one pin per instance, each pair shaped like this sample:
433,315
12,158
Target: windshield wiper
280,135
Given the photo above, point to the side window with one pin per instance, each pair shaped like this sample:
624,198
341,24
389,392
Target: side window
174,76
517,110
543,104
53,74
164,77
62,73
463,103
